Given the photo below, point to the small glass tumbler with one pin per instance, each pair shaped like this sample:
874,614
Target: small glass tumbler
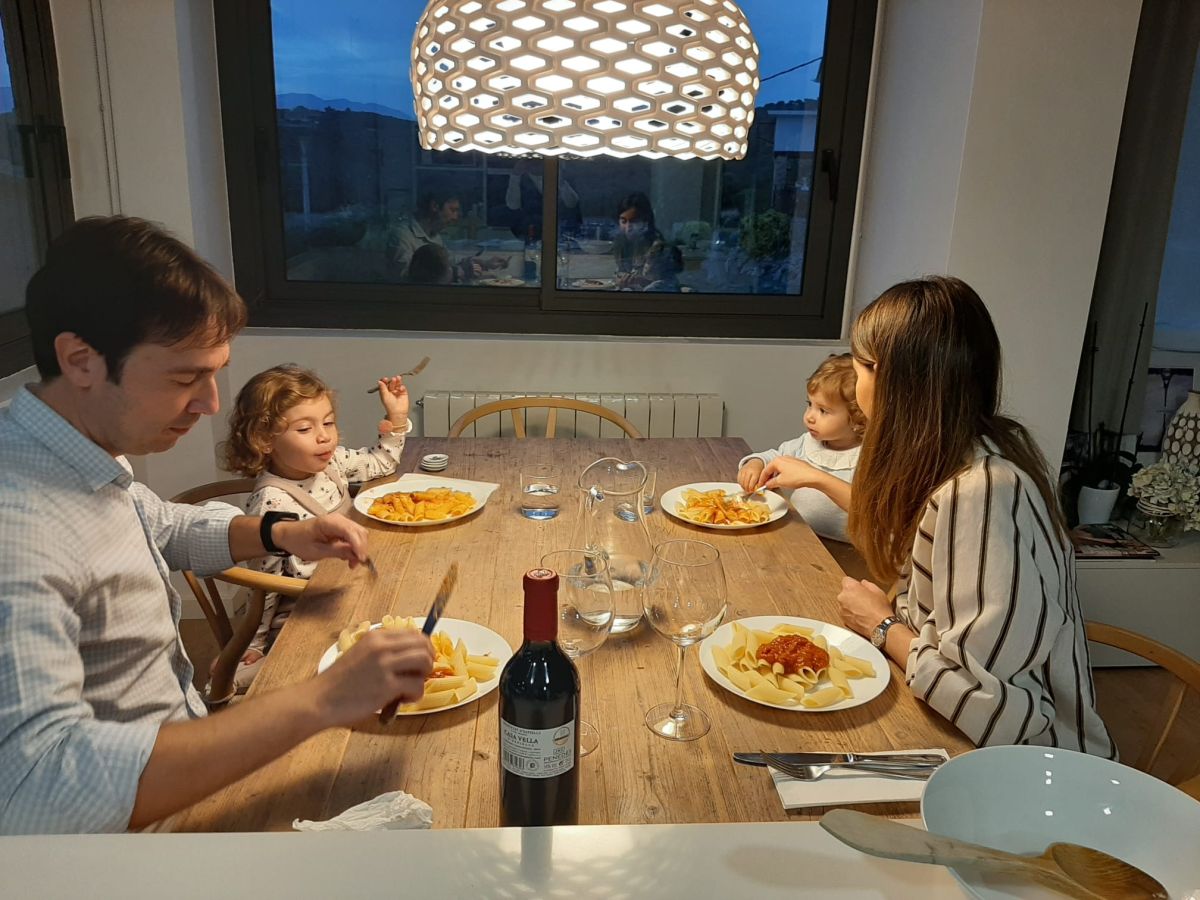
648,491
539,492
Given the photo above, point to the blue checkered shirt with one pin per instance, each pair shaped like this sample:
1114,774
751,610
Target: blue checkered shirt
92,662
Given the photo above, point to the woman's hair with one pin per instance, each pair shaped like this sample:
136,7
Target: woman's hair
835,378
639,203
430,264
259,415
937,366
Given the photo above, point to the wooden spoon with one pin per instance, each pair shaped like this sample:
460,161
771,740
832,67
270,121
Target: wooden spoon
1067,868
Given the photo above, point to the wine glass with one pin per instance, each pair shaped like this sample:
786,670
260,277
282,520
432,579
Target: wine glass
685,601
585,613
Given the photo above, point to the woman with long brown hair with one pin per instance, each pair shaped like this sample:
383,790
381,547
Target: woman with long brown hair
953,503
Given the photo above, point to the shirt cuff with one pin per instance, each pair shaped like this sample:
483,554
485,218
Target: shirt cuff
208,549
749,456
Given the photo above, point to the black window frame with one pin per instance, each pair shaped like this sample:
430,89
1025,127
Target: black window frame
246,64
29,42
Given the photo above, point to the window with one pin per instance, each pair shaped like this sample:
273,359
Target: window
35,199
341,219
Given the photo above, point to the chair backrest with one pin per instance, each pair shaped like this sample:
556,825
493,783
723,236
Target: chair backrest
233,641
1187,675
553,404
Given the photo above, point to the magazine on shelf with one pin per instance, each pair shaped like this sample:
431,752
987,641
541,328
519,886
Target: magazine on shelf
1107,541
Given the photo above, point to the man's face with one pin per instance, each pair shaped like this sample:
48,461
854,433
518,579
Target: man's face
450,213
163,391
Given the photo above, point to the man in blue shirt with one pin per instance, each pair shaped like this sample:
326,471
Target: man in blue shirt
100,728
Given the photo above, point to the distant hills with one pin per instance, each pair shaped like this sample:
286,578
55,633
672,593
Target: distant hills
312,101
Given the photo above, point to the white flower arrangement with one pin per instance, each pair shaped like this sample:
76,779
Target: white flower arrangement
1169,487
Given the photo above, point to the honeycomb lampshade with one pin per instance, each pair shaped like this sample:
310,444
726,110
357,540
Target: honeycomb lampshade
585,77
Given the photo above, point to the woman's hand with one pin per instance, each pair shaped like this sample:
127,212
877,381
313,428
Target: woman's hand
394,396
748,475
788,472
863,605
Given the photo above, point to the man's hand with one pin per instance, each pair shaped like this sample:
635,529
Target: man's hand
788,472
748,475
384,665
323,537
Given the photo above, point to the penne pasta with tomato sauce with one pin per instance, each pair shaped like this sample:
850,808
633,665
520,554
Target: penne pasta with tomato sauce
789,666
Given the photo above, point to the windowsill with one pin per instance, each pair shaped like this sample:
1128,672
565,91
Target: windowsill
273,331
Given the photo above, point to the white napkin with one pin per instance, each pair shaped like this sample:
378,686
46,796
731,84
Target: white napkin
841,786
387,812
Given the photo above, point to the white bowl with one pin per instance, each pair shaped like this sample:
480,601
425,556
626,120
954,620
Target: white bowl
1022,799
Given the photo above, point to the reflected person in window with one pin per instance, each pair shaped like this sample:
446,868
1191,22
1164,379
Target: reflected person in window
660,271
436,211
431,265
636,233
523,202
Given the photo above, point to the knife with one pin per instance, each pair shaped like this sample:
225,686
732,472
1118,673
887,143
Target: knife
435,612
822,759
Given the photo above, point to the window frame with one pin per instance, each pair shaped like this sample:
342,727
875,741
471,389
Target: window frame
33,64
245,58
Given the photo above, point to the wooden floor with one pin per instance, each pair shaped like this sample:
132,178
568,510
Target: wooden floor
1124,695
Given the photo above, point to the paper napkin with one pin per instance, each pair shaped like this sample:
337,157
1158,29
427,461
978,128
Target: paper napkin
844,786
391,811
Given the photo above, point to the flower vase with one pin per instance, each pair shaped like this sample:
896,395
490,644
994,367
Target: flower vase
1181,443
1158,525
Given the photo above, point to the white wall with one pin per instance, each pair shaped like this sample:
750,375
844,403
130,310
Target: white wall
990,155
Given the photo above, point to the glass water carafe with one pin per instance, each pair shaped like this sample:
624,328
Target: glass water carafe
612,522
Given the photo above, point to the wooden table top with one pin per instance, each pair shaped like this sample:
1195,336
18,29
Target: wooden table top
449,758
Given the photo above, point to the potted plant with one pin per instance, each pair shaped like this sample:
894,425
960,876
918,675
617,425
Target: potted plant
1095,477
766,240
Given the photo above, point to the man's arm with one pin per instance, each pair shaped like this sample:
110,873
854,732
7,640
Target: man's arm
191,760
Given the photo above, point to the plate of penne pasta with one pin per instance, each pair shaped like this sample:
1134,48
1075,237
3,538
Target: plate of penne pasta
792,663
468,659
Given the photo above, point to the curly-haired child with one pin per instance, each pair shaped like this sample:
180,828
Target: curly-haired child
283,432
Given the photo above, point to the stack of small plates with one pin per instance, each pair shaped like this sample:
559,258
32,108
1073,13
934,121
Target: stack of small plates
434,462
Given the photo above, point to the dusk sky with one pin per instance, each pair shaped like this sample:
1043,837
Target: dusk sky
358,49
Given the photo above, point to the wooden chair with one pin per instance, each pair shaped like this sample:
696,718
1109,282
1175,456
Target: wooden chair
233,641
1187,675
554,404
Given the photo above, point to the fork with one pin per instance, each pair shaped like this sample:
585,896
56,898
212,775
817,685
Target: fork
916,771
415,370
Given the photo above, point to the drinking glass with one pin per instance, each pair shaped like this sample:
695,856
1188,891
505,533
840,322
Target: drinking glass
685,599
539,492
648,490
585,613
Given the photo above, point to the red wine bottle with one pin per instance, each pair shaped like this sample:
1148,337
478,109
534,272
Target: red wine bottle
539,718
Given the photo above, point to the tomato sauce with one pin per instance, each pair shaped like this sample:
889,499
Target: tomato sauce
794,652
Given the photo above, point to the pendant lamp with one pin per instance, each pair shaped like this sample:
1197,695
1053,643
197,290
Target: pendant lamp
585,78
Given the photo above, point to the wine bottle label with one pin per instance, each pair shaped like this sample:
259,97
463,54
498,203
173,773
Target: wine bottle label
537,753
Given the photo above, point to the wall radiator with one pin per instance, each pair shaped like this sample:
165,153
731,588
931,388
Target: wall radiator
654,415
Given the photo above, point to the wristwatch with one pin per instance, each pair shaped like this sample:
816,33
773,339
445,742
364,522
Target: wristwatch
268,522
879,633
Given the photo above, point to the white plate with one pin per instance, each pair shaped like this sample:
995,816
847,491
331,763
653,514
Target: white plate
674,497
480,490
865,689
480,641
1024,798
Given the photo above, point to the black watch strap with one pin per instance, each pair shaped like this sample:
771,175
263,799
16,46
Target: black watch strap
268,522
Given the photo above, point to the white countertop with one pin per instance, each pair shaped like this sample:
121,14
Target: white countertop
600,861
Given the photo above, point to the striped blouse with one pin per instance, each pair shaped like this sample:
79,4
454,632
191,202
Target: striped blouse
990,593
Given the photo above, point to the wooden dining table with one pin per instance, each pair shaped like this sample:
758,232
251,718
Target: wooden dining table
449,758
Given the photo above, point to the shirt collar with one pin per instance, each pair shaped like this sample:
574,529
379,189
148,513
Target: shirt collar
64,441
